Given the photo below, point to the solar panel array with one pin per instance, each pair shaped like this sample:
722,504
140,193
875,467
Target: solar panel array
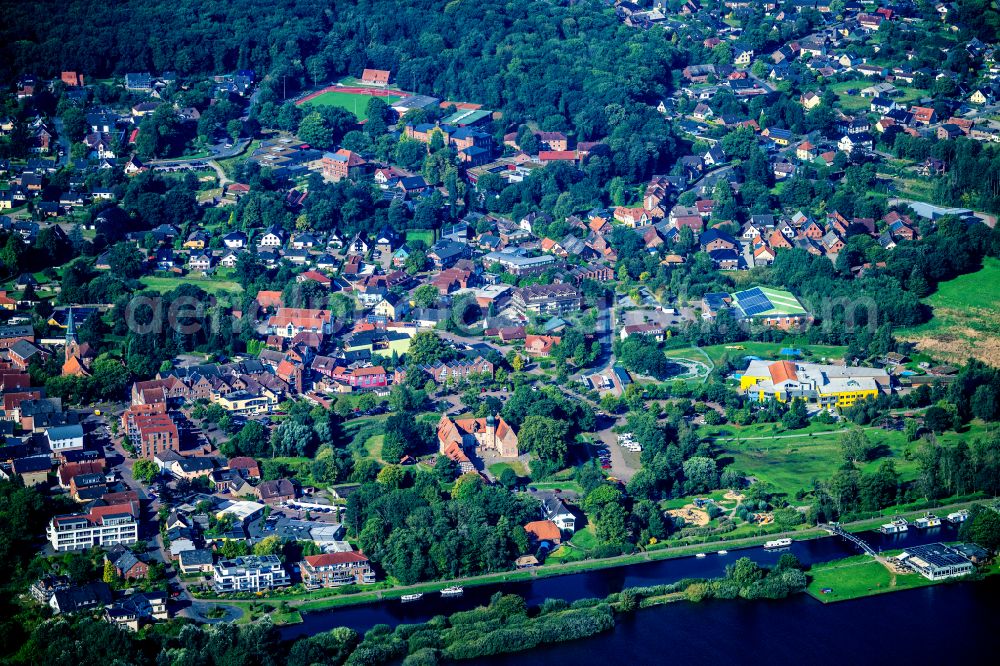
936,554
753,302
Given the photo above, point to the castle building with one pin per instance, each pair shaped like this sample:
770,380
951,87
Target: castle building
486,436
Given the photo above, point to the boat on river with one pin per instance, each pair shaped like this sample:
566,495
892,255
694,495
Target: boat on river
723,552
778,543
927,521
411,597
895,527
700,555
454,591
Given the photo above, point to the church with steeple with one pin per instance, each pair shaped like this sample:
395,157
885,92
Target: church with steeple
78,356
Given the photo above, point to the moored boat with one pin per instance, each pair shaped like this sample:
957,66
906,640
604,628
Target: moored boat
411,597
927,521
453,591
895,527
778,543
723,552
700,555
958,516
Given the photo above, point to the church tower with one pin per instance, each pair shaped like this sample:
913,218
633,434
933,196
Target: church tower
72,343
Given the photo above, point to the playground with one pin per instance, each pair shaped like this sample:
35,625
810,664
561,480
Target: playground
353,98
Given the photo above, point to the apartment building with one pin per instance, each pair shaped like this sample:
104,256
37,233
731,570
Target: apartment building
249,574
333,569
103,526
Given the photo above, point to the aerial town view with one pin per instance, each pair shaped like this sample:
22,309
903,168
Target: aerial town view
418,332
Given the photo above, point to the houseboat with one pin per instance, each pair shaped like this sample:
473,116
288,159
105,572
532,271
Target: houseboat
700,555
958,517
723,552
927,521
454,591
778,543
411,597
895,527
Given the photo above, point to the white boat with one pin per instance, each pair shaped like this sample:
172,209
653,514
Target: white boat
778,543
410,597
723,552
454,591
927,521
958,516
700,555
895,527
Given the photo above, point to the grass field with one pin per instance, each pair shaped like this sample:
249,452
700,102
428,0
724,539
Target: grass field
770,350
966,319
858,103
858,576
425,235
790,464
497,469
356,104
211,285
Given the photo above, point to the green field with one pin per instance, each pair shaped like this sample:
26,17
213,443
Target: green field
771,351
791,463
211,285
858,576
858,103
356,104
966,319
425,235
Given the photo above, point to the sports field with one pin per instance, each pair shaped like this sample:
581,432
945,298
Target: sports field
966,319
354,99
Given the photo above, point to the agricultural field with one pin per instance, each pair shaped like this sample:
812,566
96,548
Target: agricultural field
966,320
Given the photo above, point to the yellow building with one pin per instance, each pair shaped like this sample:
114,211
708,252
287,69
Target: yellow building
823,385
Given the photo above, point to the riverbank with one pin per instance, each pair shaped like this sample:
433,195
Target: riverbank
857,577
320,600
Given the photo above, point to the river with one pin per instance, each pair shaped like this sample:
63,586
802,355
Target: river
760,617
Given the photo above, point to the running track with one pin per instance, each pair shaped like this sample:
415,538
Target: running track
353,90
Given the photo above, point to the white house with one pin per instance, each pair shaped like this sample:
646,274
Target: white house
553,509
65,438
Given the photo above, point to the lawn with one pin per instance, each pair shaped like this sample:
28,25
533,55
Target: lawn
356,104
791,464
966,319
497,469
857,102
858,576
211,285
425,235
771,350
374,447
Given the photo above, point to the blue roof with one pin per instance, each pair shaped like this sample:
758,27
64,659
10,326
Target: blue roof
65,432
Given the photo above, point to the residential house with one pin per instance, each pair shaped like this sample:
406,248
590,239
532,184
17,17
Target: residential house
335,569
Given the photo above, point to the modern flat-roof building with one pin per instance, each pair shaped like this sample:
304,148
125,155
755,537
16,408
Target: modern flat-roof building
249,574
824,385
936,561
